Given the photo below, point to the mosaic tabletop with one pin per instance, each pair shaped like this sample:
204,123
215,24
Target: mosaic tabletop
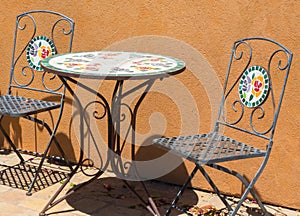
112,65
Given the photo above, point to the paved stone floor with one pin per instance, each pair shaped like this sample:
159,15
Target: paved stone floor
106,196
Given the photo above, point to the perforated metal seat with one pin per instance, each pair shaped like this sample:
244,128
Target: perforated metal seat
209,148
17,106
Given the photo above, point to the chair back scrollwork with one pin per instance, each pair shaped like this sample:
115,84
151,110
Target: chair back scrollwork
255,82
39,34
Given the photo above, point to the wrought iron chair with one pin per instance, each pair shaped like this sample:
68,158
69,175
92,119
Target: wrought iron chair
255,83
31,92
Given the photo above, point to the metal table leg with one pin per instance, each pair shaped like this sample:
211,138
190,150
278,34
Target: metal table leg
118,168
114,141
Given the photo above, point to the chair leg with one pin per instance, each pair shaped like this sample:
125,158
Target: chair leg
39,167
10,142
61,151
52,138
215,188
180,192
249,187
244,182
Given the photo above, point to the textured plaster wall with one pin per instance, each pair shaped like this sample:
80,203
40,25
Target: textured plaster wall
205,27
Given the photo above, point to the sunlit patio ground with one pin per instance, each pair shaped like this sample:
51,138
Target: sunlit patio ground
107,196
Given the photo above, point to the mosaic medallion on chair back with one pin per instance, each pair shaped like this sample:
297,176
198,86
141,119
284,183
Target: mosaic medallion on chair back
38,48
254,86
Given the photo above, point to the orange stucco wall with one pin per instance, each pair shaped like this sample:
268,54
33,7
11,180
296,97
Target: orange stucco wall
199,32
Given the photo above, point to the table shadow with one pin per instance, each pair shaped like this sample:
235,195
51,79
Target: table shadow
110,196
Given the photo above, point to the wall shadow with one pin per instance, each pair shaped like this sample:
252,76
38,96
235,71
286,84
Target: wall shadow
66,145
175,172
13,128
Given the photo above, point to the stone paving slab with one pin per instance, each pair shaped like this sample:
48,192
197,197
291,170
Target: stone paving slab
108,196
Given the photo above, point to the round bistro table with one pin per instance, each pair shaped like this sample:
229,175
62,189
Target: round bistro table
121,67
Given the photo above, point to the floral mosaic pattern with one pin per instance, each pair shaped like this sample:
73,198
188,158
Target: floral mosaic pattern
39,48
113,63
254,86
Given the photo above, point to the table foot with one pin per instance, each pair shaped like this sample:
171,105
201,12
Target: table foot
54,201
152,203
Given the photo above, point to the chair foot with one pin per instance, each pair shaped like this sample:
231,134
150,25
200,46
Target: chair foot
28,193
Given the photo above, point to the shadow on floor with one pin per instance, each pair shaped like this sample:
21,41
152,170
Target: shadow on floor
110,196
20,175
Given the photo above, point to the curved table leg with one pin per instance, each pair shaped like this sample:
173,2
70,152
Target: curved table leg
118,168
54,200
114,141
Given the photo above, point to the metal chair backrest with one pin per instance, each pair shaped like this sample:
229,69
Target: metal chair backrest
254,86
38,34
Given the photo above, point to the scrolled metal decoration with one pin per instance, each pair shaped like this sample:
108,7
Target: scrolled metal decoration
124,117
259,117
233,106
280,60
119,168
52,78
24,74
96,113
238,57
25,25
16,60
88,164
242,53
127,165
23,28
64,31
